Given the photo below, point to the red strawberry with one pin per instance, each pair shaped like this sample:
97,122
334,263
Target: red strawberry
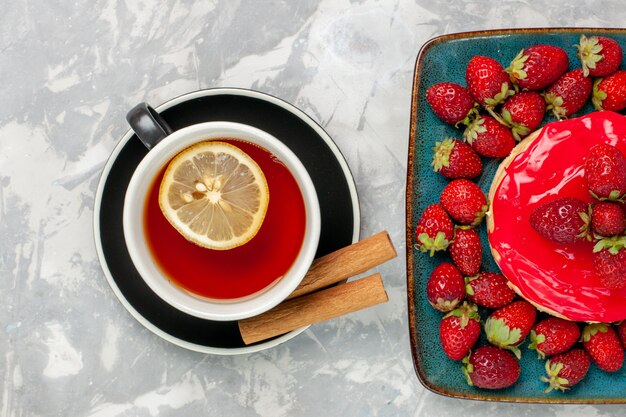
608,219
609,93
621,332
562,221
568,94
489,137
456,159
603,345
609,262
566,370
490,368
445,288
451,102
466,251
464,201
487,81
553,335
489,289
508,326
459,330
600,56
523,113
538,66
605,172
434,229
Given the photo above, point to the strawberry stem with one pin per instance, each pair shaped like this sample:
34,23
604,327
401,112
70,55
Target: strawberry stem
589,51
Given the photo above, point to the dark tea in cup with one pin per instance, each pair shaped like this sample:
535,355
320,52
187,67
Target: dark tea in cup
237,281
247,269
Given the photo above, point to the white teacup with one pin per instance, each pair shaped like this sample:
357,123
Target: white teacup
164,145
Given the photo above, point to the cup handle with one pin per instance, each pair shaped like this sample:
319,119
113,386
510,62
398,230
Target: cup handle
148,125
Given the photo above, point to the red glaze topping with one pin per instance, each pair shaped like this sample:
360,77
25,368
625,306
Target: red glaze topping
558,277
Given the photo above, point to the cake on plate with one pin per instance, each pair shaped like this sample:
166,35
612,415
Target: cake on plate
549,164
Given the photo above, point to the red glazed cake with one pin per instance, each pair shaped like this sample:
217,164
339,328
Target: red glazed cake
547,165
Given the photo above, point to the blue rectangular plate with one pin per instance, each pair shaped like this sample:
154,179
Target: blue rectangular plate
444,59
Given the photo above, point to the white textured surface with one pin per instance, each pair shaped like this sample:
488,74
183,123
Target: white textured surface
70,71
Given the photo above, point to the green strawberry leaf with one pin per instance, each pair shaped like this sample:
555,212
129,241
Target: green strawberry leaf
442,151
585,229
535,340
553,378
592,329
589,52
467,369
507,118
480,214
613,244
427,243
555,105
614,195
598,95
501,96
499,334
472,131
519,131
515,70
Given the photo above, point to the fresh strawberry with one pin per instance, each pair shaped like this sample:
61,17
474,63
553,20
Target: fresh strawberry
608,219
489,138
459,330
609,93
434,230
600,56
464,201
568,94
523,113
489,367
489,289
455,159
445,288
553,335
508,326
451,102
487,81
466,251
605,172
609,262
603,345
564,220
566,370
621,332
538,66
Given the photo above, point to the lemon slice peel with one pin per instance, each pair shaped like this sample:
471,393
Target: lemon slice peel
215,195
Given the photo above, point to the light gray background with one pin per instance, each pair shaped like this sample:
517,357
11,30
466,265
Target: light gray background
69,71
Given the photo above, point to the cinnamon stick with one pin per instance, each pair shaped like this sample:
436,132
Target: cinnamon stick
314,308
346,262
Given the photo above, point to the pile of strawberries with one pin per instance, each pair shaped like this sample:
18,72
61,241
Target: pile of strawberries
498,108
510,321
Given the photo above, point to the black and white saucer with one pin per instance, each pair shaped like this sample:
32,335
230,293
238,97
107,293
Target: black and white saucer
327,167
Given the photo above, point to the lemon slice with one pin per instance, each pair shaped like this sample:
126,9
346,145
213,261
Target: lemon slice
215,195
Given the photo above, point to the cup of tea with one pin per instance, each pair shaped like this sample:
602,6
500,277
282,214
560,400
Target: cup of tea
221,219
